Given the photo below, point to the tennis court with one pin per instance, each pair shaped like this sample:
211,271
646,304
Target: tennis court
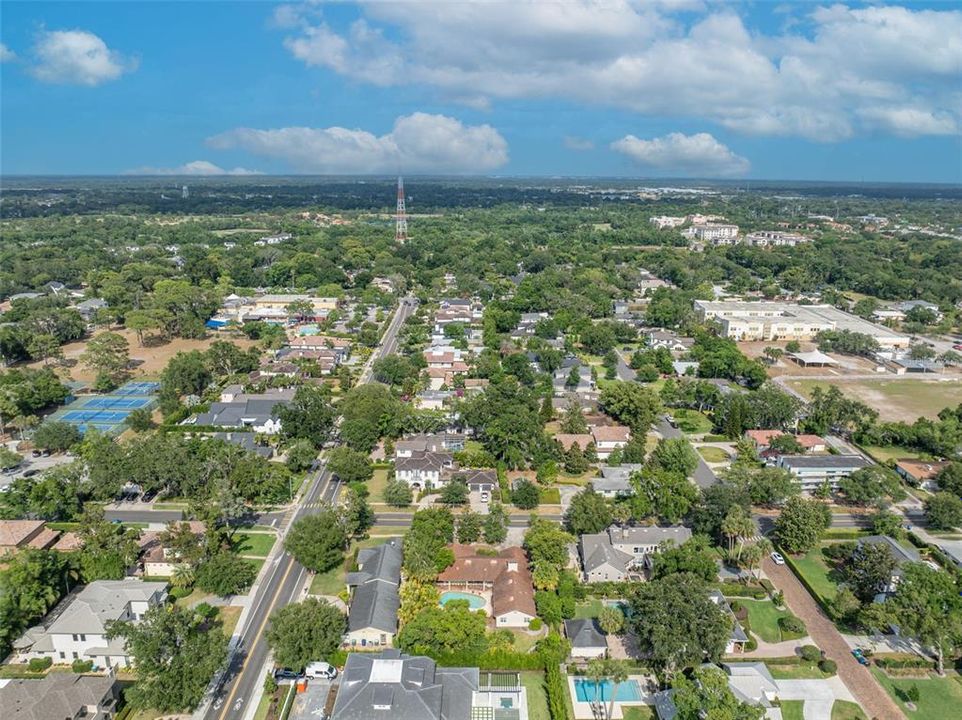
108,413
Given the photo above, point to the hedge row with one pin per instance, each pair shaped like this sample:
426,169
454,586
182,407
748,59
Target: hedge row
556,689
492,660
829,610
736,589
898,663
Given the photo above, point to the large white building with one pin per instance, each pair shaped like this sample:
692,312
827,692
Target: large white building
714,233
775,238
77,628
741,320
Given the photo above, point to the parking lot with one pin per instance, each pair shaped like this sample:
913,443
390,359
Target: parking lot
32,465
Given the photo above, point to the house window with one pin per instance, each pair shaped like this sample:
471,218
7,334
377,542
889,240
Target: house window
74,638
74,655
62,655
83,638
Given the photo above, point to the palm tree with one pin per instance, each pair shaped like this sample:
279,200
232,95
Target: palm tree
24,423
617,673
596,672
611,620
183,576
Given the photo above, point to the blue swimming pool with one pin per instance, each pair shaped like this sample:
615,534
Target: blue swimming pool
308,330
475,601
587,690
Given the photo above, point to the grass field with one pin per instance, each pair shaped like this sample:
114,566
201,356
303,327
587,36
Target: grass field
796,672
763,617
845,710
377,484
637,712
328,583
549,496
229,616
903,399
588,609
939,699
692,422
713,454
254,544
533,682
258,563
792,709
812,566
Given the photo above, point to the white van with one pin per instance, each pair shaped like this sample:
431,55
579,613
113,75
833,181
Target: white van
320,670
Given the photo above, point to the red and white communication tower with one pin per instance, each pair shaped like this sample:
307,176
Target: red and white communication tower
401,219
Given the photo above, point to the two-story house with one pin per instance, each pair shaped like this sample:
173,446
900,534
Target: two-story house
621,552
77,627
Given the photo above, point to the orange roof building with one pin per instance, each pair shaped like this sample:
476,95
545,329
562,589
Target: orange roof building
506,576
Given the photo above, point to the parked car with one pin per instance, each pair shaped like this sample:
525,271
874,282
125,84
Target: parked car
957,346
777,558
320,670
286,674
31,473
485,496
862,660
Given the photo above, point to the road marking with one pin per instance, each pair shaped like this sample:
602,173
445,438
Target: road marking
253,642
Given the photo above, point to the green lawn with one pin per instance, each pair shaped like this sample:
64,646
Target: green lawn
588,609
813,568
796,672
377,484
229,616
763,617
254,544
328,583
939,699
637,712
549,496
713,454
258,563
845,710
792,709
533,681
890,452
692,422
903,399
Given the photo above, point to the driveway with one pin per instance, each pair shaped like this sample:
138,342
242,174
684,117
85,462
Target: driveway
860,682
818,695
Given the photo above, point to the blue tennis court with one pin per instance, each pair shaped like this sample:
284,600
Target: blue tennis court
123,403
108,413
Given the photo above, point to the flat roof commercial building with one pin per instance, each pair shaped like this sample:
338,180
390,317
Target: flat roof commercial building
812,471
742,320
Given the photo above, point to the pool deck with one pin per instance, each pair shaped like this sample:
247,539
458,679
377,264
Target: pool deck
583,709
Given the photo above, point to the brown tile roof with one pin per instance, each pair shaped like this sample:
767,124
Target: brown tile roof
763,438
68,542
508,573
44,539
567,440
14,533
921,469
610,433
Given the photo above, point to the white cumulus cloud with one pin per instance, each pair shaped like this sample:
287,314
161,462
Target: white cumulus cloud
417,143
815,79
679,154
6,54
77,57
197,167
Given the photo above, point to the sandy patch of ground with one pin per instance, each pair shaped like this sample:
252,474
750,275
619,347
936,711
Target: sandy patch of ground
151,360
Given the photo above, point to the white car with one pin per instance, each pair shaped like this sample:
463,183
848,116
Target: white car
777,558
485,496
320,670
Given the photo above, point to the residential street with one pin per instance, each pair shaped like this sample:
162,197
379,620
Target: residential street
870,695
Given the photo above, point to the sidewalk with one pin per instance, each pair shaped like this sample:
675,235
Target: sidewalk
860,682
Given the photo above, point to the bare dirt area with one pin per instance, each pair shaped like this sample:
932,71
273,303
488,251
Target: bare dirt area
905,398
847,364
148,361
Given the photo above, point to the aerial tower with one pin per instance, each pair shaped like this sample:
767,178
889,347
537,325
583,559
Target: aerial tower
401,218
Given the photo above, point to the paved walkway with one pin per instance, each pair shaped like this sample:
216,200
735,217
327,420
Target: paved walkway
860,682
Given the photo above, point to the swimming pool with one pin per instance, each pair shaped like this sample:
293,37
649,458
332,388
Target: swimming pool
587,690
304,330
475,601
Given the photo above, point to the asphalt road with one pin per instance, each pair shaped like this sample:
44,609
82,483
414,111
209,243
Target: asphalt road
283,581
704,477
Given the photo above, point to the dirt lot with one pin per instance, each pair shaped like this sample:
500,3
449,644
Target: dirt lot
903,399
847,364
149,360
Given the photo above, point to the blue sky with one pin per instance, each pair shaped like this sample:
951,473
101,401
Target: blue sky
655,89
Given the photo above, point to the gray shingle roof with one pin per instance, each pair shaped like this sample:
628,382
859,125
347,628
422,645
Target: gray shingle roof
55,697
900,553
101,601
585,633
596,550
401,687
376,601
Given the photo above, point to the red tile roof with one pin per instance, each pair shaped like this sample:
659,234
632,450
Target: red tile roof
508,573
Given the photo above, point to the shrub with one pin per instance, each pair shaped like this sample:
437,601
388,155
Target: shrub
39,664
270,684
82,666
829,667
535,624
810,653
792,624
913,694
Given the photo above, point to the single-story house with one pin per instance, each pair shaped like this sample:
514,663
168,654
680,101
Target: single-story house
507,577
920,473
372,616
586,637
738,638
763,440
